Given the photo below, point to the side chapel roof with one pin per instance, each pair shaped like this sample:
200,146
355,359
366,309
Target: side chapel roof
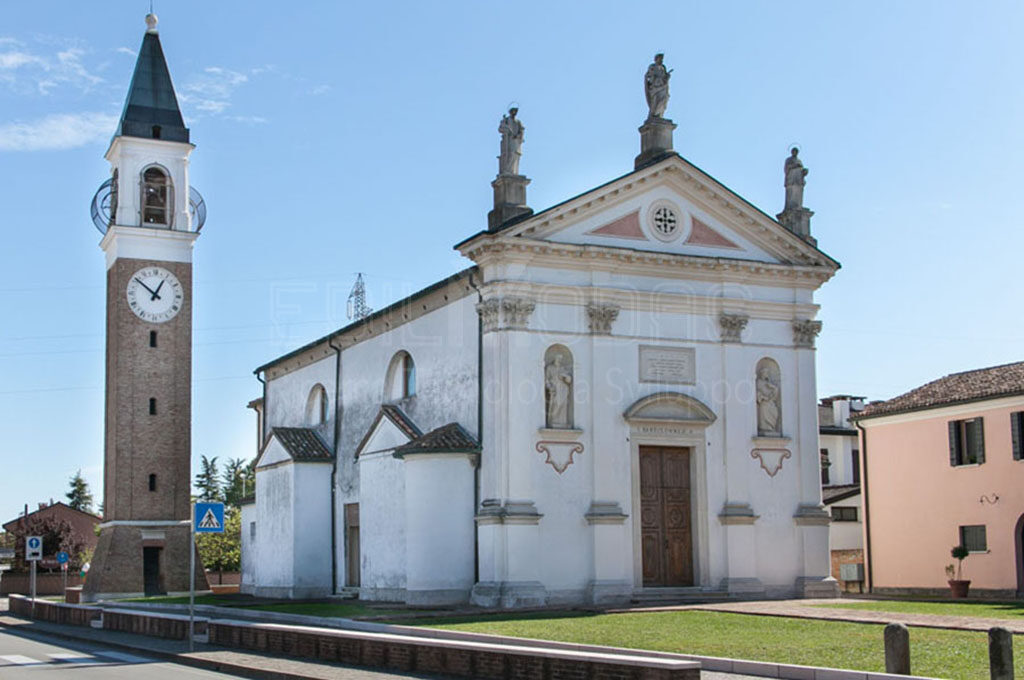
450,438
302,443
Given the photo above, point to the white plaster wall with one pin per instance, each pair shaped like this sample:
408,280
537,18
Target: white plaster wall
249,578
847,535
512,469
439,517
382,535
275,527
312,529
443,345
840,455
288,395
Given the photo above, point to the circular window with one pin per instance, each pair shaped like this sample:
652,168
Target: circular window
666,221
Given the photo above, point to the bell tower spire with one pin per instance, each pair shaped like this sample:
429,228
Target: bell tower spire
150,218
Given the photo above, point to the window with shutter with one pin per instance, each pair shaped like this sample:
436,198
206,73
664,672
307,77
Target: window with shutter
977,444
954,443
974,538
1016,428
967,442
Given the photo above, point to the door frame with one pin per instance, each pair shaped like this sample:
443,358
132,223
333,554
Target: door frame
676,420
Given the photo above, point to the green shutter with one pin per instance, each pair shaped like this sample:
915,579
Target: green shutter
954,442
1015,427
979,440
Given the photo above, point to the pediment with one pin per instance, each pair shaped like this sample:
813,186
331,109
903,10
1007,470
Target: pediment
273,452
672,407
671,207
390,429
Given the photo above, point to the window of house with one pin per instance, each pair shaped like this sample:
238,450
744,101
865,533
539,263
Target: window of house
156,194
844,514
825,464
401,377
973,538
966,442
1017,431
316,406
855,465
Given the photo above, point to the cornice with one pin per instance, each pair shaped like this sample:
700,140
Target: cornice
628,299
502,249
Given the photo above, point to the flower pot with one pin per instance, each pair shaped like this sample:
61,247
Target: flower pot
958,589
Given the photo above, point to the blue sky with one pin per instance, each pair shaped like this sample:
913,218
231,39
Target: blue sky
334,138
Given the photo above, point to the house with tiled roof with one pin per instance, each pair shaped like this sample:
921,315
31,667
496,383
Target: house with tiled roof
942,466
839,450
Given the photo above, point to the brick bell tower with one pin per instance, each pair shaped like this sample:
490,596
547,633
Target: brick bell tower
150,218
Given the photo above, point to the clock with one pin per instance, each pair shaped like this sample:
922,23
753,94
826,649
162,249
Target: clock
155,294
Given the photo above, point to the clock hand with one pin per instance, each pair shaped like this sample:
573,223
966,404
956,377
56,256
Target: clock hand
156,293
139,281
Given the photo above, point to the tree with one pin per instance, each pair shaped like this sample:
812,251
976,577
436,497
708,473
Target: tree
235,481
58,534
79,497
223,552
208,480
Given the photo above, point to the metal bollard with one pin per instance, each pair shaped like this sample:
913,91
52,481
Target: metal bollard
897,649
1000,653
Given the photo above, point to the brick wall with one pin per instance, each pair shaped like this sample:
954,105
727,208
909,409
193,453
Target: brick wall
46,584
847,557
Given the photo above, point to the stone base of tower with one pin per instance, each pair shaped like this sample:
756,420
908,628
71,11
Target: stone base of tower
132,561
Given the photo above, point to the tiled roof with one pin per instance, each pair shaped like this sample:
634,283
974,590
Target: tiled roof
302,443
401,421
450,438
982,383
831,494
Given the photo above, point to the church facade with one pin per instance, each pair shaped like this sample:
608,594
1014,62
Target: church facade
617,397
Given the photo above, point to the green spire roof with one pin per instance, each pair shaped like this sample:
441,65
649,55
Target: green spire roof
151,109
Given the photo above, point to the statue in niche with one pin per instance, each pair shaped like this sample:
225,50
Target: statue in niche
769,399
511,130
656,87
558,387
796,175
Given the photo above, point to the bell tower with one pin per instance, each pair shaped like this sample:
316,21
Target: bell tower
150,217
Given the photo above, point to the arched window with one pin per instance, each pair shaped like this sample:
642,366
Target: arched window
316,406
558,387
156,197
769,398
401,378
113,199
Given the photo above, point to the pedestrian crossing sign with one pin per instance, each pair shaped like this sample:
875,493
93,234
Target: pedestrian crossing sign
209,518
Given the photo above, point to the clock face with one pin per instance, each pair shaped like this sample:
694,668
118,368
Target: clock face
155,294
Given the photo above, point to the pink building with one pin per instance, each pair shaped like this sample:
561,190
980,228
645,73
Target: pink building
942,466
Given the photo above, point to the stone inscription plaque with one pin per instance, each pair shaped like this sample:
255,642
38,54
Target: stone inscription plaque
668,365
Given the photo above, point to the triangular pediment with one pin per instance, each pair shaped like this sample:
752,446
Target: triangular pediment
671,207
389,430
273,452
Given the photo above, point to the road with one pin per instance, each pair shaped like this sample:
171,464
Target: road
24,657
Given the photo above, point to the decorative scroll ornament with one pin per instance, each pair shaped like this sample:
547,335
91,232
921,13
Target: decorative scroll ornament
559,454
805,331
601,318
771,459
732,326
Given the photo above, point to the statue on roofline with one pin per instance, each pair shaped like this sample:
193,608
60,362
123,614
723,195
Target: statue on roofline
511,130
656,87
796,175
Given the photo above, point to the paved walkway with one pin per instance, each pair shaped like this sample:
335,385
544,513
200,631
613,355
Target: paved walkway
804,609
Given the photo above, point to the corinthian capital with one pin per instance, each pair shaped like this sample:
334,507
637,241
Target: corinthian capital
805,331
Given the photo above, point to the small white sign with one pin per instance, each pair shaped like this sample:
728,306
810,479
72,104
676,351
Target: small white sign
33,548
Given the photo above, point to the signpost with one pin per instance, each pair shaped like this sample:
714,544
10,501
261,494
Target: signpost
207,518
62,560
33,553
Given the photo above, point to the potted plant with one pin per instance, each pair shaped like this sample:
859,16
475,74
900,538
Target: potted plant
957,586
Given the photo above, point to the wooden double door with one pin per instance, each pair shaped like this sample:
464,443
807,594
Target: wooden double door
666,533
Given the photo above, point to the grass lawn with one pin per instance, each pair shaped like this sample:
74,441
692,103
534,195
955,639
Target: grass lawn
936,653
993,610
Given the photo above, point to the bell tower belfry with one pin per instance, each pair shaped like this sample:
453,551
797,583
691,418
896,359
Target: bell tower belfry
150,218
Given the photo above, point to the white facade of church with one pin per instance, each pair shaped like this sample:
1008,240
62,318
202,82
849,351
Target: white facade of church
617,397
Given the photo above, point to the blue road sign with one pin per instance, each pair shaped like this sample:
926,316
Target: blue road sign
62,557
208,518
